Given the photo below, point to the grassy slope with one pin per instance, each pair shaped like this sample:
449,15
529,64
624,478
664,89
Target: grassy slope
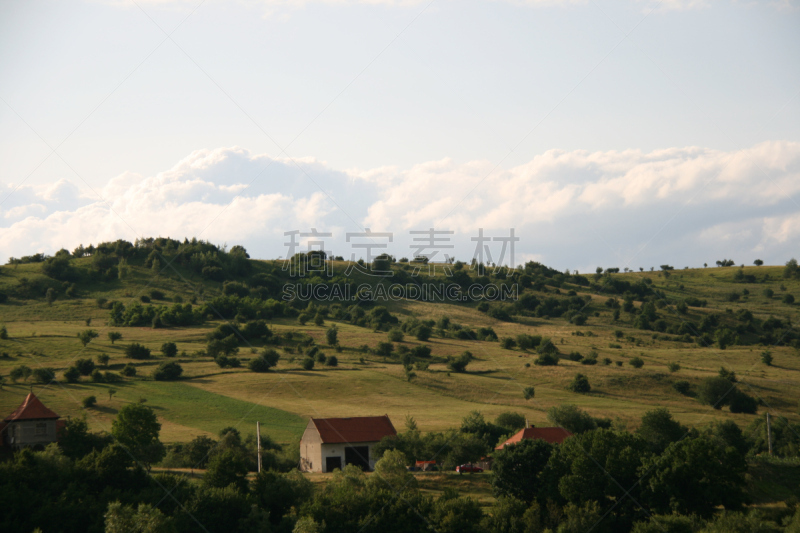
210,398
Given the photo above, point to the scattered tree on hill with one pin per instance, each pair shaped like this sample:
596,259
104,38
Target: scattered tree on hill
129,370
459,364
84,366
167,371
89,402
169,349
103,359
308,363
87,335
137,351
114,336
766,357
72,375
528,393
395,335
518,470
758,262
332,335
22,372
266,360
636,362
580,383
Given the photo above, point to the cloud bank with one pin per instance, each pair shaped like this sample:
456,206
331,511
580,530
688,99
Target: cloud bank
571,209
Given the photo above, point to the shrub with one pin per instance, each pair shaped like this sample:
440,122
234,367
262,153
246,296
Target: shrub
422,351
72,375
302,318
766,357
684,387
169,349
308,364
546,360
320,357
528,393
580,383
84,366
129,370
716,392
423,333
319,320
167,371
395,335
574,356
459,364
769,293
98,377
103,359
788,299
156,294
89,402
743,403
507,343
591,360
114,336
673,367
332,335
137,351
3,332
636,362
332,361
144,298
385,349
265,361
606,361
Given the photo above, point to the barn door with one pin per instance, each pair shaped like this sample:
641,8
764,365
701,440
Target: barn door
357,455
332,463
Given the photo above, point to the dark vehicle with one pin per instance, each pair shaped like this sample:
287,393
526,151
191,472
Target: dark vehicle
468,468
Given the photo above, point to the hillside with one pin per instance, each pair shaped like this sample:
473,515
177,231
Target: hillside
160,291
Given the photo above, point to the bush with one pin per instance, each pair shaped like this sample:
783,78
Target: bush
743,403
716,392
423,333
3,332
72,375
507,343
385,349
423,351
766,357
332,335
528,392
395,335
98,377
84,366
308,364
169,349
574,356
320,357
167,371
264,362
144,298
137,351
591,360
684,387
580,383
788,299
673,367
636,362
44,375
129,370
332,361
459,364
89,402
546,360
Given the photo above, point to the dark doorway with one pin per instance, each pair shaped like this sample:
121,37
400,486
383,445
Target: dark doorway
332,463
358,456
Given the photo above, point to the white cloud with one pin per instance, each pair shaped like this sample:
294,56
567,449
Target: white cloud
571,208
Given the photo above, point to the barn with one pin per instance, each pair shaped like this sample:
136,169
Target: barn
331,443
31,424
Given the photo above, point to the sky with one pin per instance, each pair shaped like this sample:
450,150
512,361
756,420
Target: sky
616,134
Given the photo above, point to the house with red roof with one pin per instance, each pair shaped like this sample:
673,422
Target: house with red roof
331,443
551,435
31,424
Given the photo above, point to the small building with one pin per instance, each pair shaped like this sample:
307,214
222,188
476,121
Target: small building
551,435
31,424
331,443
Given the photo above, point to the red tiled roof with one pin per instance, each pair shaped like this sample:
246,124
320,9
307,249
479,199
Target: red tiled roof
31,409
352,430
551,435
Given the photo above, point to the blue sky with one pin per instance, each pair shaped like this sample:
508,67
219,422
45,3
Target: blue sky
607,133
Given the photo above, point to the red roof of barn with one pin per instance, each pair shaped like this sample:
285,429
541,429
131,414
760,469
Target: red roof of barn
31,409
356,429
551,435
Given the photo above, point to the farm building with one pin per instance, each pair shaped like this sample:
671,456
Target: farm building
31,424
551,435
331,443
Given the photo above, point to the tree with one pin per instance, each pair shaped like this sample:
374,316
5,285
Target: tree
660,429
111,392
89,401
319,320
3,332
459,364
716,392
528,393
308,363
791,270
766,357
44,374
788,299
517,468
169,349
144,519
129,370
72,375
331,335
50,296
136,428
423,333
137,351
22,372
87,335
636,362
84,366
265,361
226,346
332,361
103,359
571,418
167,371
114,336
758,262
226,468
695,475
385,349
395,335
580,383
278,493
